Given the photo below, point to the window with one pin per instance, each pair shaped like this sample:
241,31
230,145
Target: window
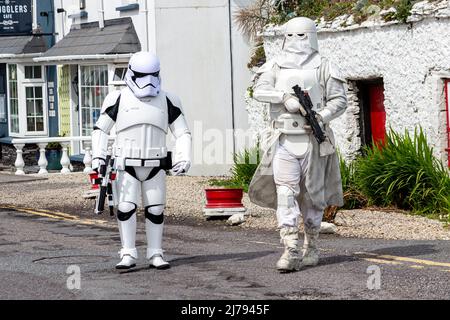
13,99
35,108
119,74
93,90
27,100
33,72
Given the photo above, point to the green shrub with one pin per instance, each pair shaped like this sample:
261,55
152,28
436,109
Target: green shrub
244,167
404,173
353,198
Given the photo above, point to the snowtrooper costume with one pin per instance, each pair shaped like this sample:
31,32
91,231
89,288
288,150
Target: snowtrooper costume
297,175
142,114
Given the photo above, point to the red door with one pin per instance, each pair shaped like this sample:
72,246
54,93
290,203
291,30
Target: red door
377,113
447,103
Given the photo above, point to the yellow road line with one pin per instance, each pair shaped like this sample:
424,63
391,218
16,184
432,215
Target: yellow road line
404,259
58,216
382,261
415,266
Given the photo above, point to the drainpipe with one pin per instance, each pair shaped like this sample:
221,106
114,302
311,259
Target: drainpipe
35,24
101,15
230,31
63,20
147,35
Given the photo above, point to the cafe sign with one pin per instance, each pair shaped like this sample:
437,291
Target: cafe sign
16,17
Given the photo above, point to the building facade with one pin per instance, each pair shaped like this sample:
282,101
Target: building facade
61,86
398,76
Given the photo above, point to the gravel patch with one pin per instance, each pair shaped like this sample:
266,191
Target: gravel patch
186,199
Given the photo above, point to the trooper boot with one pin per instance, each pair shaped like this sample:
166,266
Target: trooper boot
290,260
128,259
310,250
154,239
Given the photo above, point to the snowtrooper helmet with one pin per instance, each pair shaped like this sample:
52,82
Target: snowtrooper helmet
300,36
142,76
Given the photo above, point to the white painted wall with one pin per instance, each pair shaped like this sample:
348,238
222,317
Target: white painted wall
192,39
411,60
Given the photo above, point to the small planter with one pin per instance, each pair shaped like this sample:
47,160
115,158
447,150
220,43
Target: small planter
224,198
223,202
54,159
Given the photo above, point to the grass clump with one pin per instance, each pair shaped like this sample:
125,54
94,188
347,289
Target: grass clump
404,173
353,197
244,167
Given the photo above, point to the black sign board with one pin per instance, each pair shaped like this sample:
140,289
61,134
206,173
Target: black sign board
16,17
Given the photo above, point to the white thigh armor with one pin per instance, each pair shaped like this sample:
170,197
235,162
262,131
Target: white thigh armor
294,137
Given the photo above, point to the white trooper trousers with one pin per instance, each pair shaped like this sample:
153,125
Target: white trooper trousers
153,194
289,175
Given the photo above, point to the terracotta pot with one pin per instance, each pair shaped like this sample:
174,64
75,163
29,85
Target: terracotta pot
224,198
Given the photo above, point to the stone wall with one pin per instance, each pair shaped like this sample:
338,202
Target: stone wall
412,59
8,155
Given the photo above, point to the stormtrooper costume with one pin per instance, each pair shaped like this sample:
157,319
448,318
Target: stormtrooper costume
142,114
297,176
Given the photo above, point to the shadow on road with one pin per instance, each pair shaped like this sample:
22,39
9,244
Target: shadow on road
243,256
407,251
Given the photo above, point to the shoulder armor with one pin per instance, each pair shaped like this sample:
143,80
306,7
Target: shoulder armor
110,100
174,99
335,72
268,66
173,107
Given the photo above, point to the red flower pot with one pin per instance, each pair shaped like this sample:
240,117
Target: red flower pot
224,198
92,177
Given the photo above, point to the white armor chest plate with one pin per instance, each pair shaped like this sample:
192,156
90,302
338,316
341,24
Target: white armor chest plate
150,111
297,141
141,127
307,79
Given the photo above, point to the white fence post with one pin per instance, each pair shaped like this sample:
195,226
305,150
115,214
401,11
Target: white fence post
65,160
42,163
87,160
19,164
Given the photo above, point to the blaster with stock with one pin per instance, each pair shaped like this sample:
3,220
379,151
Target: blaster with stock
310,115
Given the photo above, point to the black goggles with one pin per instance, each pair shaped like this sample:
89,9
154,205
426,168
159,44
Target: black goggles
141,75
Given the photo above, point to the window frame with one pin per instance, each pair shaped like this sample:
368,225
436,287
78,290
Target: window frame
112,72
22,84
8,88
44,113
81,87
33,80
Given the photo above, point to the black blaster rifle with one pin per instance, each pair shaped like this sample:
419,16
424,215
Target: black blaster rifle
105,175
310,116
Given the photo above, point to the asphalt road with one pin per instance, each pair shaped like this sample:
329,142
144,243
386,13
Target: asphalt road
40,252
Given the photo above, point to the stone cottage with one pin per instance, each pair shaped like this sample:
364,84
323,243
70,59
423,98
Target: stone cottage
398,75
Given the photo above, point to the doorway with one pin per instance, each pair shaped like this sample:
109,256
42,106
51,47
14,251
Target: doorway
447,108
372,112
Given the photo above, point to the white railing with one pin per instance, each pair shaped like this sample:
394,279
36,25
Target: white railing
42,143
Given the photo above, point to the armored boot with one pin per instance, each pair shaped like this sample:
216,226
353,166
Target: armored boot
290,260
310,250
128,259
154,224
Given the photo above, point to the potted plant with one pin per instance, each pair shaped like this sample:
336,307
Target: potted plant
53,153
231,190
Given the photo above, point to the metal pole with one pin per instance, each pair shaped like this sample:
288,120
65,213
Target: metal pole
230,30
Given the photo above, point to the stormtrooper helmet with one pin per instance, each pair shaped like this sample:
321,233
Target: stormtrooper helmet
142,76
300,36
